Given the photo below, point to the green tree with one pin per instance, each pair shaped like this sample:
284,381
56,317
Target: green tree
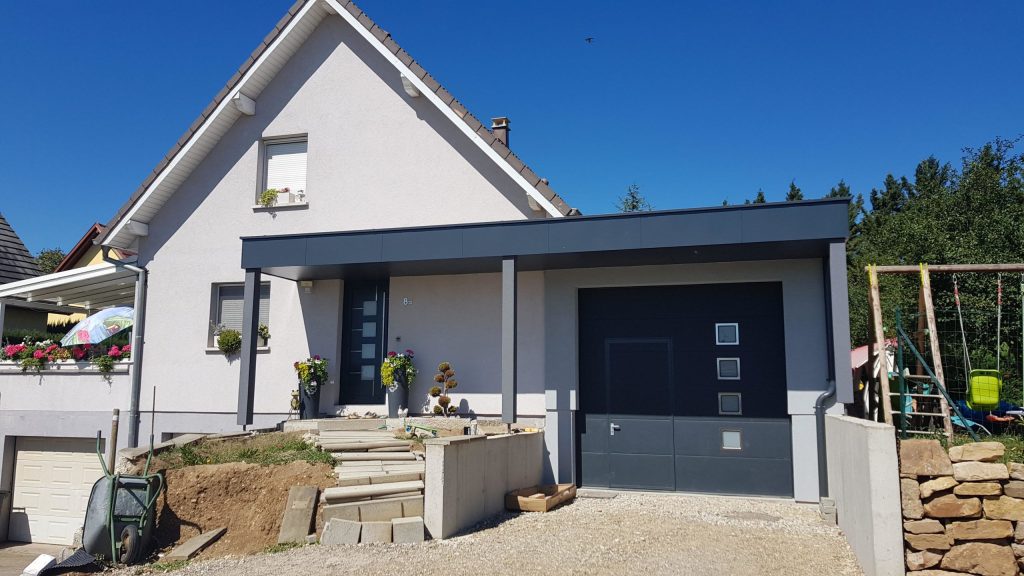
633,201
794,193
760,199
842,190
49,259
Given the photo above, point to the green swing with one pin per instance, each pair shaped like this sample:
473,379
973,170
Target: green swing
983,385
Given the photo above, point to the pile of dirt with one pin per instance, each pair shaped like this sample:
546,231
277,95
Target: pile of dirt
247,498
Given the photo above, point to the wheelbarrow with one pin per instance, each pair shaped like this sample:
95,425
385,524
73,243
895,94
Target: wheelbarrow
121,514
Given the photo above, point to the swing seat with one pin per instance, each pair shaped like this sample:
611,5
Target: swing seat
984,389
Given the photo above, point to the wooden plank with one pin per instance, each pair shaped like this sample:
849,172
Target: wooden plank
298,515
539,498
875,300
194,545
933,334
946,268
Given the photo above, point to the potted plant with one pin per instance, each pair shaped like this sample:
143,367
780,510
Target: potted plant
445,377
312,374
397,373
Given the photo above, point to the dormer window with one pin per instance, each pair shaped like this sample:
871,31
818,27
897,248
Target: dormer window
284,170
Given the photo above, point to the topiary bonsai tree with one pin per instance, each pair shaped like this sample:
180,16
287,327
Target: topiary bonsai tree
445,377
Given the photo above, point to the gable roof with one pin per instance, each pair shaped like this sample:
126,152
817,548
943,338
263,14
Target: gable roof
16,262
83,245
260,68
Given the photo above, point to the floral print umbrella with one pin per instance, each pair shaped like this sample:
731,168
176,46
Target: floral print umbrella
100,326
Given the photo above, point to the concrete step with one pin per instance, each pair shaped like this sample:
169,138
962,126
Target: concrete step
345,493
343,446
334,424
375,510
368,456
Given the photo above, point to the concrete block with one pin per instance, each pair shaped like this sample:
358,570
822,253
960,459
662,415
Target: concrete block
396,477
298,514
375,532
407,530
412,507
380,511
342,492
333,424
348,512
339,531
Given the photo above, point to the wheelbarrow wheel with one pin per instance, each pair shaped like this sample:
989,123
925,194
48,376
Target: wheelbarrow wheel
129,552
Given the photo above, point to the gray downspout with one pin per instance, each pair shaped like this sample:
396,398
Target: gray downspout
138,340
819,416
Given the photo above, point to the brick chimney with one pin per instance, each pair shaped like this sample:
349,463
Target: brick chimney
501,126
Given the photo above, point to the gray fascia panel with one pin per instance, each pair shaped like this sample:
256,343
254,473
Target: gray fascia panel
725,230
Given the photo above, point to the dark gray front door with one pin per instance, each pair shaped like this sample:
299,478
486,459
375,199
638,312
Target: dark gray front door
364,323
684,388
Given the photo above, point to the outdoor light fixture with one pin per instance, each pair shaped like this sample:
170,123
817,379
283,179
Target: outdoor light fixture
306,285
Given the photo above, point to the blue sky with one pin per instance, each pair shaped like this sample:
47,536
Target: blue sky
696,102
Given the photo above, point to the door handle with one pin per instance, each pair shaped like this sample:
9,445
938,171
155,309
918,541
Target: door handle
613,428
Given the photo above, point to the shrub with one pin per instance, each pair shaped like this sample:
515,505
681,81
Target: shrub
229,341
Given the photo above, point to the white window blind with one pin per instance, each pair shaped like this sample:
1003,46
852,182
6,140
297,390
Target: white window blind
230,300
286,166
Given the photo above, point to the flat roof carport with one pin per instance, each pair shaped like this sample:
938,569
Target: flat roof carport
808,229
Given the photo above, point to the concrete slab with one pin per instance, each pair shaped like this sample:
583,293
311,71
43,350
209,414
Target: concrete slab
596,493
396,477
339,531
374,457
407,530
16,556
375,532
342,492
42,562
350,424
380,511
298,514
341,512
194,545
412,507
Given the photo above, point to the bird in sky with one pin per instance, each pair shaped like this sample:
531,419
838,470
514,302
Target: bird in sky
589,39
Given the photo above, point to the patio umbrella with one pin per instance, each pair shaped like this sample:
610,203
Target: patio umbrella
100,326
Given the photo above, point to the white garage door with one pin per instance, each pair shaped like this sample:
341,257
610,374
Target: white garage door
52,480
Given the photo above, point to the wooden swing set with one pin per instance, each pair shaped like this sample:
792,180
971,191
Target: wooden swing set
981,383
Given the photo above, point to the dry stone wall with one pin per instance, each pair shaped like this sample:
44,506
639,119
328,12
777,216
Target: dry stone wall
963,510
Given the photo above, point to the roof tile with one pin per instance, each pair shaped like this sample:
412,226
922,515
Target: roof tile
431,83
473,123
391,45
485,134
417,69
365,21
545,190
445,96
354,10
515,162
379,33
530,176
458,108
404,57
499,147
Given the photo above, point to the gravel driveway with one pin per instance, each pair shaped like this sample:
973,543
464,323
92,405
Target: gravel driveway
630,534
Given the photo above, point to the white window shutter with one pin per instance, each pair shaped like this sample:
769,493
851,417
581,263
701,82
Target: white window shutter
230,305
286,166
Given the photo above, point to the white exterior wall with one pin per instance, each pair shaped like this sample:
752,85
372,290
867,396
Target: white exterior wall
377,159
458,319
806,347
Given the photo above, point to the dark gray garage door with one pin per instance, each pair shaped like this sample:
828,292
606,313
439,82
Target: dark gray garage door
684,388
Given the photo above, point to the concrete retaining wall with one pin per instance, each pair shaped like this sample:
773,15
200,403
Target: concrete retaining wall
468,476
863,478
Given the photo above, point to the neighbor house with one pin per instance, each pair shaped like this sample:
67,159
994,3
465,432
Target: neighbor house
678,350
17,263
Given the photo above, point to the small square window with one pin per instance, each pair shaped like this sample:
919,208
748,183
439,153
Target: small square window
730,404
368,351
366,372
727,334
732,440
370,308
728,368
369,329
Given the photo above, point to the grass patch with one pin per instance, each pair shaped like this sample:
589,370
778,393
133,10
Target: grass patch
275,548
168,566
1014,444
263,449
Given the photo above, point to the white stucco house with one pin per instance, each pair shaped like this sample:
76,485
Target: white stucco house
677,350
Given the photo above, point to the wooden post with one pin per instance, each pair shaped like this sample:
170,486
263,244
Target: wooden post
933,335
875,299
922,327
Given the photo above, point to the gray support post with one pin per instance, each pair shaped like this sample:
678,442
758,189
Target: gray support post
840,313
508,339
250,326
3,312
138,343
